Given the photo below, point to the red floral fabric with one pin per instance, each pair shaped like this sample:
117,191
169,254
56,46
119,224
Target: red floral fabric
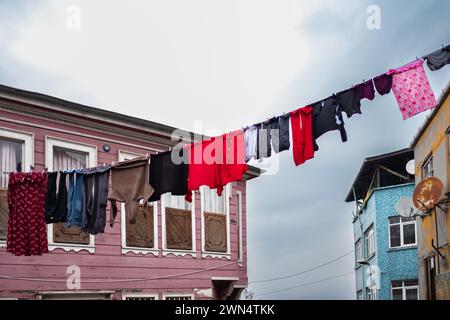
27,231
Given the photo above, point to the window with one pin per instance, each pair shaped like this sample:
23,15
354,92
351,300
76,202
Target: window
359,295
142,236
178,219
369,241
371,294
215,221
16,154
178,296
358,251
427,168
405,290
140,296
64,155
402,232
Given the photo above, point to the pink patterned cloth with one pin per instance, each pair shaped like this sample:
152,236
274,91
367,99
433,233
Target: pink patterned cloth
27,231
412,89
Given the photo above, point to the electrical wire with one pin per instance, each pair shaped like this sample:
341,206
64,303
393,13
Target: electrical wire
304,284
303,272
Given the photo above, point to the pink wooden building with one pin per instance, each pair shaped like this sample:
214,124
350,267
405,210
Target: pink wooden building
203,257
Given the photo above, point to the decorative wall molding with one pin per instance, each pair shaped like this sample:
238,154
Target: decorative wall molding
71,247
215,255
141,251
179,253
85,124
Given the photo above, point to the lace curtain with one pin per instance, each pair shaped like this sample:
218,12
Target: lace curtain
10,160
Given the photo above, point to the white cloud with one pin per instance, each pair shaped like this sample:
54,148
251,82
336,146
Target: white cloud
174,61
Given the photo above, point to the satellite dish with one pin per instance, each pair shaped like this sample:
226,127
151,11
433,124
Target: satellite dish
428,193
411,167
405,207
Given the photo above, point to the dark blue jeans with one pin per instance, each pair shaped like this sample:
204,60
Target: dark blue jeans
75,206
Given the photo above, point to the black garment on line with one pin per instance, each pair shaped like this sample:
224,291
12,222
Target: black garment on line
350,99
95,195
279,133
56,199
263,149
327,116
439,58
167,176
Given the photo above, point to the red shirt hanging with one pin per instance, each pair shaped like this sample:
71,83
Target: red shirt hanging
301,123
216,162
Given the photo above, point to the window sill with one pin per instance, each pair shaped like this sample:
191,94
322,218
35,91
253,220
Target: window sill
71,247
216,255
179,253
402,248
143,251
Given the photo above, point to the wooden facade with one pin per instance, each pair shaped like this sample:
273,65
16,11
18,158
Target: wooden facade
174,261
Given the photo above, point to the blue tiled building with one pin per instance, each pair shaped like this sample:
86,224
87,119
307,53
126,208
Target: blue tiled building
386,260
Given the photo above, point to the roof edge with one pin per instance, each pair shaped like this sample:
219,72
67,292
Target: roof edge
430,118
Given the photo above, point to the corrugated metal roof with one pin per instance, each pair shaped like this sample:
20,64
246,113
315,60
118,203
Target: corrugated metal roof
394,160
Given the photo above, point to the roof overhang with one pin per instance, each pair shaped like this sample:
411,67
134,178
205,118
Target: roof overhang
395,160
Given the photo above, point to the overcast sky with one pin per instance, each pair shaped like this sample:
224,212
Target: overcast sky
234,63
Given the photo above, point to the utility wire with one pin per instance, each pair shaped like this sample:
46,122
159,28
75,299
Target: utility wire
303,272
304,284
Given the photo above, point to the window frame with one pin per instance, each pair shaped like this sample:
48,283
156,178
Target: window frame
402,224
404,288
91,150
358,245
371,294
123,233
428,160
166,295
177,252
126,295
359,294
27,140
369,230
122,155
240,228
227,192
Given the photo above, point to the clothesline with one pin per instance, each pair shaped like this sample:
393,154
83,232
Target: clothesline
310,104
83,204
